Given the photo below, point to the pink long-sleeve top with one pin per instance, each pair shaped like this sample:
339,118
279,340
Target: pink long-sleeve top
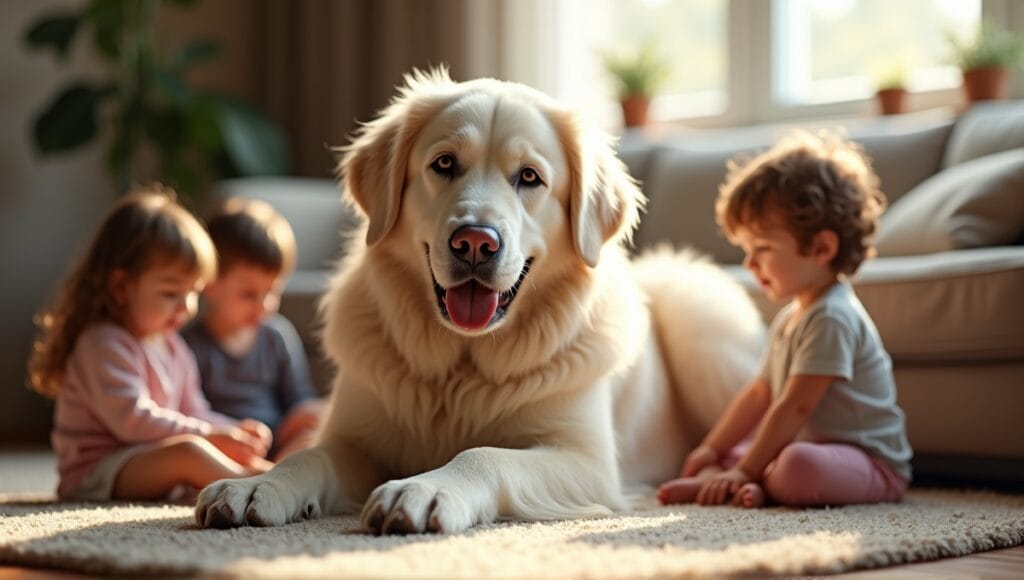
119,391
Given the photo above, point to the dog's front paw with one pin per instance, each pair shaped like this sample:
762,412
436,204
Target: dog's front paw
412,506
253,501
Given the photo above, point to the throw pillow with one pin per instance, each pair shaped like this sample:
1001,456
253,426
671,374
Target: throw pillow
986,128
973,204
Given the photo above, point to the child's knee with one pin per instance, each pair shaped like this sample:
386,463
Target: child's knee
797,471
189,445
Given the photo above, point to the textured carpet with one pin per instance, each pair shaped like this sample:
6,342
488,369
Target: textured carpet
658,541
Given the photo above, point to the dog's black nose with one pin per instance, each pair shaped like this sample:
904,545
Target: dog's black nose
475,244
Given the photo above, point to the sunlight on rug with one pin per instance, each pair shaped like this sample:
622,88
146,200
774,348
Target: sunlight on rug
657,541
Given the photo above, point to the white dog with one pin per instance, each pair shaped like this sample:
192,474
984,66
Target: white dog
499,355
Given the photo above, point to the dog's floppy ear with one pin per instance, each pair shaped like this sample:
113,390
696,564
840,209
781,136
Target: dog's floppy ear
373,166
604,200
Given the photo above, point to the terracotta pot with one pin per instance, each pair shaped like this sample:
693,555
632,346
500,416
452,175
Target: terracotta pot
983,84
892,101
634,110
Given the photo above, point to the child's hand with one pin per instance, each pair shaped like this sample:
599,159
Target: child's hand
723,486
236,443
259,430
698,459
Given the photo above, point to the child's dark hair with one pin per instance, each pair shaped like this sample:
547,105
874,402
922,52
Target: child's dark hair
807,183
144,229
250,231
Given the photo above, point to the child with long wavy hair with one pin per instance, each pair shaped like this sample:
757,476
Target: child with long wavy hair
130,419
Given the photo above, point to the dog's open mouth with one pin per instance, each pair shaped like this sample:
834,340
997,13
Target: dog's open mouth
473,305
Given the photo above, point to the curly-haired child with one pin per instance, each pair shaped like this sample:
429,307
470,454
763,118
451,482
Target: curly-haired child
828,428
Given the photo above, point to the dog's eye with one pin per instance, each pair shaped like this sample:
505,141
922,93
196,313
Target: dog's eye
528,177
445,165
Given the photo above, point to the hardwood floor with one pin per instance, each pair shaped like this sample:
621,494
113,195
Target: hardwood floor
1005,564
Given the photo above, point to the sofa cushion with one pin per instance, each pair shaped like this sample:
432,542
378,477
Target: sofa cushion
957,307
681,188
984,129
977,203
682,173
903,158
637,155
961,305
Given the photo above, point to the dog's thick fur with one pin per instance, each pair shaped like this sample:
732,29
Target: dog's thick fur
592,373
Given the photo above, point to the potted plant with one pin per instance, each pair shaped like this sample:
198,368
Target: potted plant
985,61
156,126
638,74
891,91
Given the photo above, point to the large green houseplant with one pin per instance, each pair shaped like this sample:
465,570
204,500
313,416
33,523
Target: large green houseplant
155,124
986,59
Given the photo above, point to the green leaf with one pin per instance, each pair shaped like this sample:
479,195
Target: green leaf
54,32
194,53
172,87
204,128
108,20
255,145
70,120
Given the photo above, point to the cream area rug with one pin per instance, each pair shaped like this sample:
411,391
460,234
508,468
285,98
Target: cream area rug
651,542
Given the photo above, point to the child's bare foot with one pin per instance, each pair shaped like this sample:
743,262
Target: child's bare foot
749,496
682,490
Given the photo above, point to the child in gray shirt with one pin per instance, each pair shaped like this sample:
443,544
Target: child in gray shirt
251,361
828,429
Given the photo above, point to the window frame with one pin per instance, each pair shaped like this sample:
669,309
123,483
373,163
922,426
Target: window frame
750,96
751,92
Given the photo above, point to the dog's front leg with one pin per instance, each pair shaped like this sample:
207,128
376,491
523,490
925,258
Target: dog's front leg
331,477
567,473
485,483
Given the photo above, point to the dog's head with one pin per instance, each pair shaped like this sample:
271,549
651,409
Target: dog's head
481,185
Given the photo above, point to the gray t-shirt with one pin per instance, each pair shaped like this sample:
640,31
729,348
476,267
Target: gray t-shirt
836,337
265,383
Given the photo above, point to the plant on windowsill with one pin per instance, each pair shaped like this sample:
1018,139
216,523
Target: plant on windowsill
157,127
985,61
638,74
891,91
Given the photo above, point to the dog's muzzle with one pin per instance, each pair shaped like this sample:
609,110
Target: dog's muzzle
472,305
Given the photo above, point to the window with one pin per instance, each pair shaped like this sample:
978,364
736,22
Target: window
753,61
689,34
838,50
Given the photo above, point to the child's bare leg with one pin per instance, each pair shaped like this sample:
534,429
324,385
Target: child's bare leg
750,495
685,489
181,460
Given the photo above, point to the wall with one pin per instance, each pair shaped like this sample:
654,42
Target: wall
46,207
50,206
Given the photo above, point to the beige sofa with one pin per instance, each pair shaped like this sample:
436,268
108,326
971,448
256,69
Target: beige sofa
947,290
952,316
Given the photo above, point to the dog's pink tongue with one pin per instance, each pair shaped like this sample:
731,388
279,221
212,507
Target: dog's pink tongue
471,305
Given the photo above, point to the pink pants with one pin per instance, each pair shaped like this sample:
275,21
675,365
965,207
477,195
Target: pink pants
815,474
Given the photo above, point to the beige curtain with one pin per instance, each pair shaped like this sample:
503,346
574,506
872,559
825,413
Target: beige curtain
327,64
